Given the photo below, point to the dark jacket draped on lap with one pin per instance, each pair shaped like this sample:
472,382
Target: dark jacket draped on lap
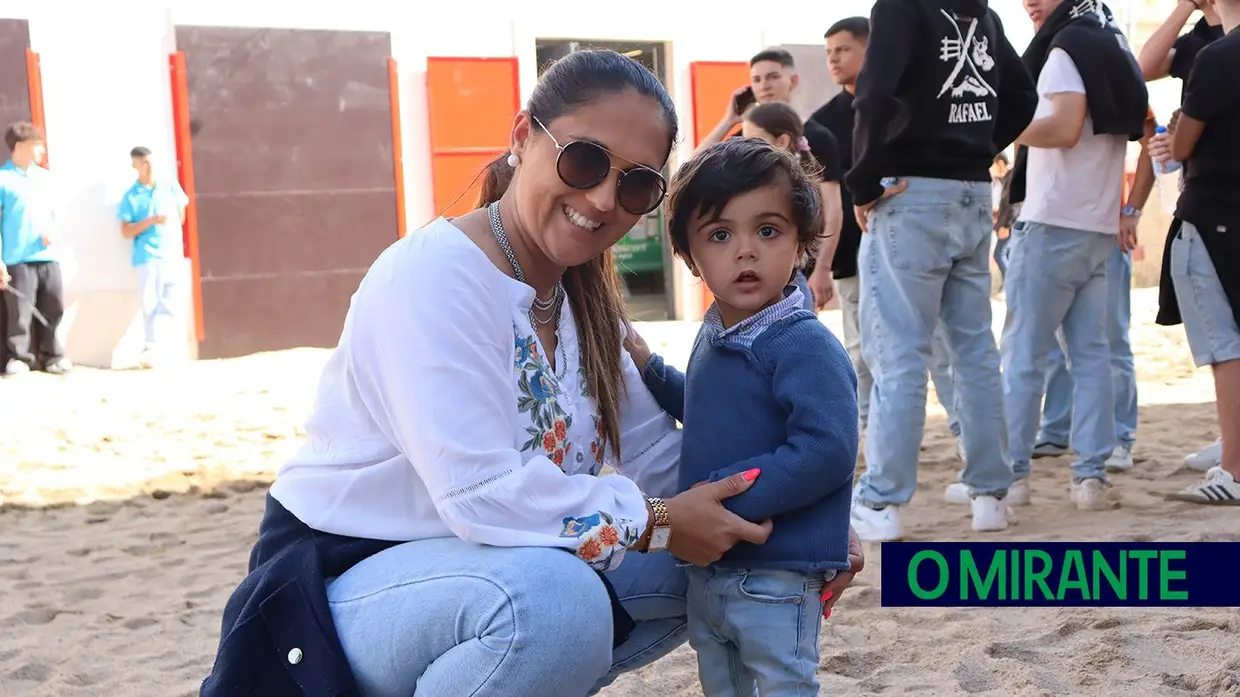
278,638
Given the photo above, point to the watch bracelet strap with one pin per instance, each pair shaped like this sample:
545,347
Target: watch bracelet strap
659,507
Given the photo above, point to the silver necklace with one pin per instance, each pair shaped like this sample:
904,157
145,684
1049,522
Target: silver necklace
550,306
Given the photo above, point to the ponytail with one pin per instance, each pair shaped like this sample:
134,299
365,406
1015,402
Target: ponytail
495,180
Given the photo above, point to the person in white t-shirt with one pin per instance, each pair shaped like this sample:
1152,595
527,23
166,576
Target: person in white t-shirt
1056,276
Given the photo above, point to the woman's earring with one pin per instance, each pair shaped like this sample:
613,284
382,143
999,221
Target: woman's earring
513,160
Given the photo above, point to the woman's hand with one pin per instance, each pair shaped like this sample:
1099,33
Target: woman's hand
856,562
637,348
702,529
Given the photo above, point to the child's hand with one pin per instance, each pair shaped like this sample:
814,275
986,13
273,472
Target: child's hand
637,348
856,562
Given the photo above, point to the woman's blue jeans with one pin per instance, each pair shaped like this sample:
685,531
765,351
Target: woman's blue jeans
449,618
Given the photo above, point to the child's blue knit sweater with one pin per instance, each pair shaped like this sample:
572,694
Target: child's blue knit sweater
778,393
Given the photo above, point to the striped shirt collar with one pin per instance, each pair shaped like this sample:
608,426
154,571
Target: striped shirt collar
748,329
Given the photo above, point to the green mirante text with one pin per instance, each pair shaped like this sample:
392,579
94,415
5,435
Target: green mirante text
1034,575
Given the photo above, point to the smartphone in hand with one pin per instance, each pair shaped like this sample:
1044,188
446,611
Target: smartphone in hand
743,100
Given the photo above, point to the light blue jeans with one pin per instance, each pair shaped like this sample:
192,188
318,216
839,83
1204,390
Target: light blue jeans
161,284
449,618
849,291
1057,409
1058,277
755,629
926,259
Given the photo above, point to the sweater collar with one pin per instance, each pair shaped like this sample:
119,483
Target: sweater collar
749,328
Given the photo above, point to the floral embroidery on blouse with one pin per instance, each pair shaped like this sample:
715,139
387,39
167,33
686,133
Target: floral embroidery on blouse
549,423
601,537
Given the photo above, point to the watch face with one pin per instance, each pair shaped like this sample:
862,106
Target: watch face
659,538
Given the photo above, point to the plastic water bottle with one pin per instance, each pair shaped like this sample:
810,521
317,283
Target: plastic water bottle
1165,167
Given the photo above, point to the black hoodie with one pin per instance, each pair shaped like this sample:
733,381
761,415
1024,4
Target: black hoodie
940,93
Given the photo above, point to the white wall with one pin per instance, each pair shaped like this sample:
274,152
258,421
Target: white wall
106,89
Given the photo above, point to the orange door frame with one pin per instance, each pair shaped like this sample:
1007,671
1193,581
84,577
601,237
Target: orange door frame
398,158
34,85
185,172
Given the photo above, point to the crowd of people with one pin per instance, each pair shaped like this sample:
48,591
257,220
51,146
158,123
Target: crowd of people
916,131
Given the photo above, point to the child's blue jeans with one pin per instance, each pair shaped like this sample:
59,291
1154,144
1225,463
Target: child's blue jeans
755,629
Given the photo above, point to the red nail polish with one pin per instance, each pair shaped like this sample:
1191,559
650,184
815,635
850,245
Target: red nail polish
826,616
751,475
827,595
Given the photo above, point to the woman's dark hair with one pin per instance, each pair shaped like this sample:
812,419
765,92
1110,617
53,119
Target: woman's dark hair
594,288
495,180
704,186
779,119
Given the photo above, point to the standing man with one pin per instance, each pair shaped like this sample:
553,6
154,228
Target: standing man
1091,102
846,41
941,92
151,213
1167,53
1206,138
30,274
1056,428
773,78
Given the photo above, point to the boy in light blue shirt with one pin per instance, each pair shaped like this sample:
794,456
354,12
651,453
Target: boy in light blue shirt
30,276
151,213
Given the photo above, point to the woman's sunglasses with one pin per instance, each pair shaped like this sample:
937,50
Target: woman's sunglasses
584,165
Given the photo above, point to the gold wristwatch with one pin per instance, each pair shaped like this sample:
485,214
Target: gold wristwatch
661,526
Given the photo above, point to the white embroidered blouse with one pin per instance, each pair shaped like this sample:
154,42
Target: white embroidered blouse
438,414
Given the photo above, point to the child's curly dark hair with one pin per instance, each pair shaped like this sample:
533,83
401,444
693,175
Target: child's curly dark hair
705,184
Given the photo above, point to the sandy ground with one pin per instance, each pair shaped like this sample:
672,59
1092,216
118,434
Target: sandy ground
131,500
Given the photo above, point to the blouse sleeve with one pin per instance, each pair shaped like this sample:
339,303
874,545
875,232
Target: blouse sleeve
649,438
430,345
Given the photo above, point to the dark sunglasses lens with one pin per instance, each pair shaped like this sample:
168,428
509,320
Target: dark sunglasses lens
640,191
583,165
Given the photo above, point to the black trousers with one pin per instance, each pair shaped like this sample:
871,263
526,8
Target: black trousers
41,288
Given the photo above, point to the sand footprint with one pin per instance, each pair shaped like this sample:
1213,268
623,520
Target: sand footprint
139,623
33,672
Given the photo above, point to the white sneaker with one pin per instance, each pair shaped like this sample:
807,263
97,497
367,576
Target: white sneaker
1090,495
16,367
60,366
1218,488
991,514
877,526
1206,458
149,358
1120,459
1018,494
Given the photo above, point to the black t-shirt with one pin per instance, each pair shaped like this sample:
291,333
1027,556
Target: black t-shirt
1188,46
824,147
1213,178
837,117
